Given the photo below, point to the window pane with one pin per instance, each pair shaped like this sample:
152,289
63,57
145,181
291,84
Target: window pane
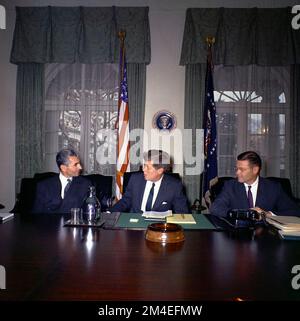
227,142
255,124
281,124
82,101
226,166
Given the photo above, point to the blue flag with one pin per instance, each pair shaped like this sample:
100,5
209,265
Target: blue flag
210,174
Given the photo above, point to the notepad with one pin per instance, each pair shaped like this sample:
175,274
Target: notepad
181,219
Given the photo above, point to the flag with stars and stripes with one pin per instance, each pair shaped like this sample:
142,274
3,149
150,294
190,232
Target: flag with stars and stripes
122,126
210,174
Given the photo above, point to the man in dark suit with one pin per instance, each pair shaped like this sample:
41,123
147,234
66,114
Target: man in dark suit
153,190
249,190
60,193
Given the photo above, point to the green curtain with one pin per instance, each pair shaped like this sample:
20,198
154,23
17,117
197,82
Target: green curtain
295,130
80,34
137,96
29,120
261,36
193,118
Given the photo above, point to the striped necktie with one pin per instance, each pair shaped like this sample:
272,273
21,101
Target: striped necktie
67,187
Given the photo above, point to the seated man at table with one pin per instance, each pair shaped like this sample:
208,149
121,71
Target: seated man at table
153,190
60,193
250,190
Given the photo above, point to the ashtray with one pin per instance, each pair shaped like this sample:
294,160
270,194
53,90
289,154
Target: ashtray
164,233
98,223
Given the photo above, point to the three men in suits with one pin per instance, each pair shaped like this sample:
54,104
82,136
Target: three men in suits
249,190
60,193
153,189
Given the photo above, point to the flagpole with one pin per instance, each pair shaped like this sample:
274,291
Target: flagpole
122,35
210,42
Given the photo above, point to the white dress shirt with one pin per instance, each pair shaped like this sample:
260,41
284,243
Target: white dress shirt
147,191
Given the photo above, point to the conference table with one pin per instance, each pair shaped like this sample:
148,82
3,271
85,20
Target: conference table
44,260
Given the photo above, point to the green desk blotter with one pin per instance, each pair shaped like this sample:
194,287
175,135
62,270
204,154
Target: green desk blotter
136,221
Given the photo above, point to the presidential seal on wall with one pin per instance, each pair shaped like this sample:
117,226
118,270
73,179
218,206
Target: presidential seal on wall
164,120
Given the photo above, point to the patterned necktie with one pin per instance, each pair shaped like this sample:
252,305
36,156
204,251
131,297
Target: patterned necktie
150,198
250,197
67,187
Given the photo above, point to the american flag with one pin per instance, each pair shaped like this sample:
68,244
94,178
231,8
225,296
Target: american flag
210,174
122,125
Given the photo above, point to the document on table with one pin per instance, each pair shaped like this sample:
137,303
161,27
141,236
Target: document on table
157,215
181,219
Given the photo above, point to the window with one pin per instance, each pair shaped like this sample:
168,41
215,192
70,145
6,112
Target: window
81,110
253,114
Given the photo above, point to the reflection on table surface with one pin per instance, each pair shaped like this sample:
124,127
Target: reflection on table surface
46,261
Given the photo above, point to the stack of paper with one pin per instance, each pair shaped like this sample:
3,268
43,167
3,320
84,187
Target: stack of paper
289,226
285,223
156,215
181,219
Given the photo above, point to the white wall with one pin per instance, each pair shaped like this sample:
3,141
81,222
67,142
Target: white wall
165,78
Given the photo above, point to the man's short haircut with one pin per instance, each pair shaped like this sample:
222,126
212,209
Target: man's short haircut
159,158
252,157
62,157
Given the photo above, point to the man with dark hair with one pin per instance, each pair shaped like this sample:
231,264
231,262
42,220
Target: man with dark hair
154,189
59,193
249,190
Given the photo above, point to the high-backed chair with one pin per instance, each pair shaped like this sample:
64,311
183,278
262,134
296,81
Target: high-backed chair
286,186
25,198
102,183
41,176
216,189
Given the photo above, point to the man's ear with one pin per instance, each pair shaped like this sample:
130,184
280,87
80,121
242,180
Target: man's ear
62,168
160,171
256,170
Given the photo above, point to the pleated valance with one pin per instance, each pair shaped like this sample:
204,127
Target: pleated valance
243,36
80,34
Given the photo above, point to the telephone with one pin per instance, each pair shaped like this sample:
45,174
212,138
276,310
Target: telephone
243,217
243,214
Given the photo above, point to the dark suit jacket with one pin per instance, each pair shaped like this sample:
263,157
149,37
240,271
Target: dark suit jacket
270,197
170,196
48,198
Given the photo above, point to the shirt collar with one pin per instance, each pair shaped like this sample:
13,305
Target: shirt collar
63,178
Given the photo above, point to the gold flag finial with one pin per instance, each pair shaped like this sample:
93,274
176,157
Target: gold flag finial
210,40
122,35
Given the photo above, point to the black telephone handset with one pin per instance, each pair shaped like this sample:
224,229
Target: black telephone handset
243,217
243,214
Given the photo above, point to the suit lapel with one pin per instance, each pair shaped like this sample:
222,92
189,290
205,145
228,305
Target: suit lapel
141,191
162,191
57,188
259,194
242,196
